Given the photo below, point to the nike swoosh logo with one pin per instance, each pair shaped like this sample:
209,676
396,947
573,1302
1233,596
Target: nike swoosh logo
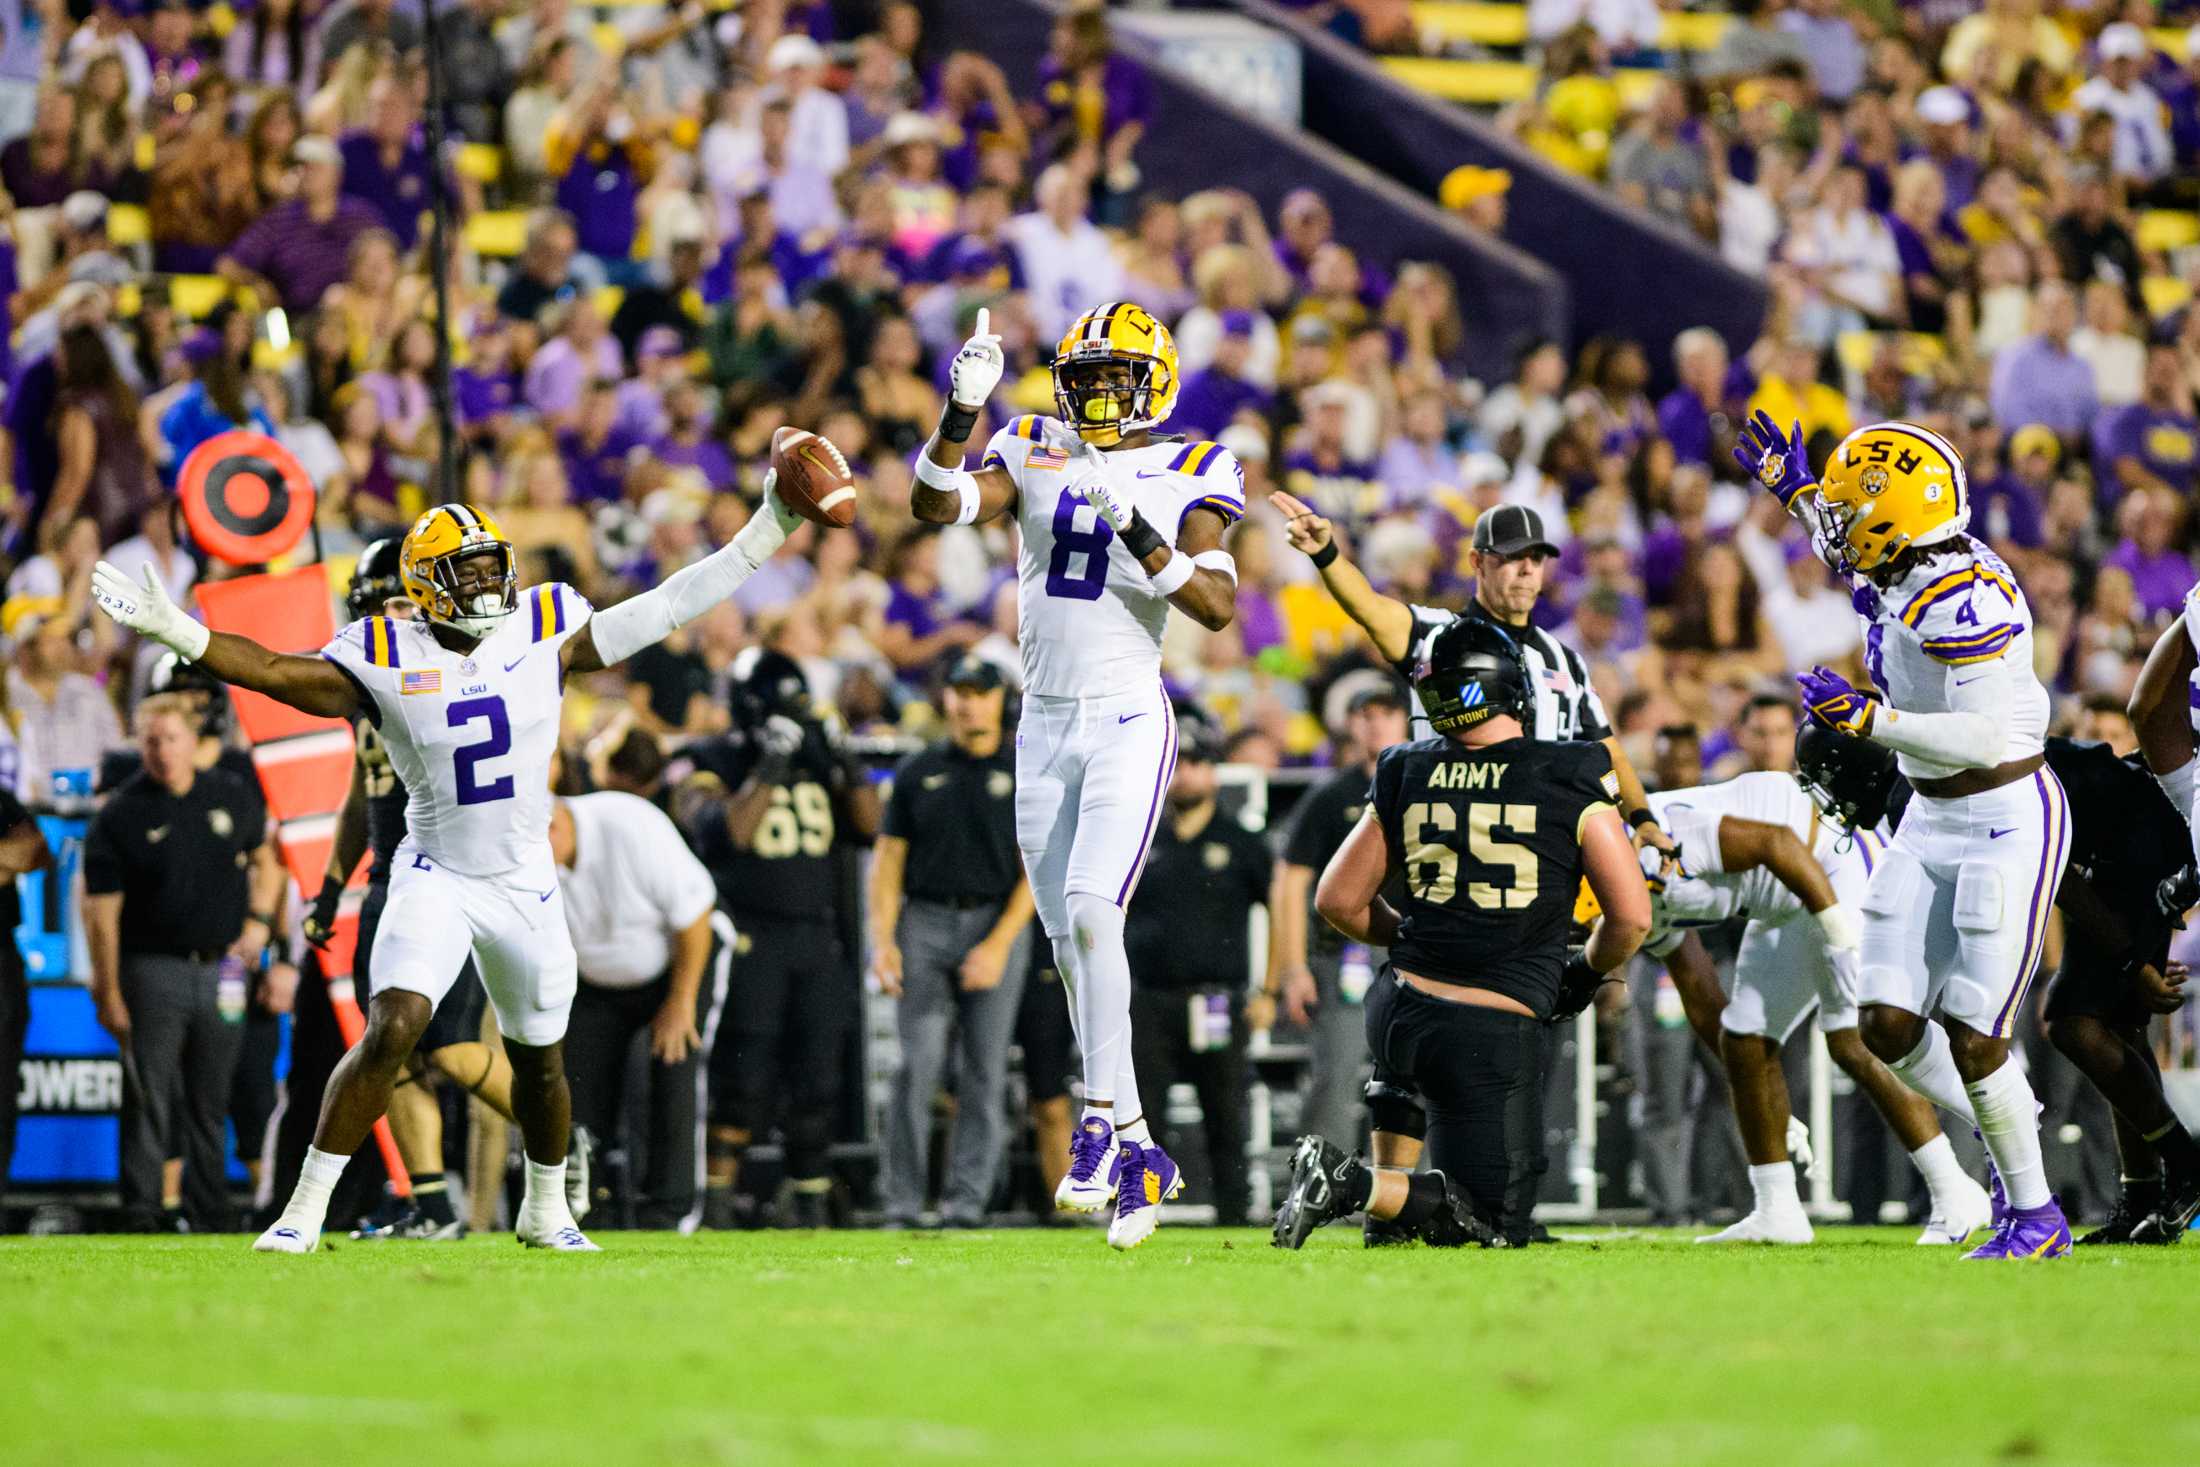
515,662
1126,718
553,891
1155,474
1964,682
1998,834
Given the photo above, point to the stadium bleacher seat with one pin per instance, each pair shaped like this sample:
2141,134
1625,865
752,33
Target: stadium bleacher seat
2168,229
1495,83
497,233
1506,26
127,225
481,162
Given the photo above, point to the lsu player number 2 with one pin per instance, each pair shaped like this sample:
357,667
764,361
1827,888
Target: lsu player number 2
468,758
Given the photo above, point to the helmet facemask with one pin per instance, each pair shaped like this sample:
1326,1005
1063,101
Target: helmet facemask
1106,395
477,608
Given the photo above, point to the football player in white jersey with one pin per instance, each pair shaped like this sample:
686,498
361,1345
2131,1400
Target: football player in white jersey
1754,848
1956,913
1118,524
467,700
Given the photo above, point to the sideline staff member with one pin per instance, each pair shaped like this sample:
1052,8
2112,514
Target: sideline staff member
1493,831
639,907
957,954
178,874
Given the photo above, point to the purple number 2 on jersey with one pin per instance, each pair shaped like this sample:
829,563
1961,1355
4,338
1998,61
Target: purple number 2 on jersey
471,791
1068,539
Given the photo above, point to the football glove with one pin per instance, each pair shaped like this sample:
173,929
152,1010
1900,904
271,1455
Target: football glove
320,923
1577,985
1775,459
1831,702
977,368
144,608
2176,895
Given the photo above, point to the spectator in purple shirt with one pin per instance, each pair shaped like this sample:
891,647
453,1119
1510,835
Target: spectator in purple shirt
1944,125
1694,417
596,450
1304,225
580,349
601,155
386,162
1419,462
1096,105
687,441
296,251
485,392
2153,443
2006,508
658,363
1213,395
2160,576
920,627
2039,379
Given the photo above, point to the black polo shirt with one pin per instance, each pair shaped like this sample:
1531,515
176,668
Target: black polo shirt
182,862
1187,923
1321,823
958,814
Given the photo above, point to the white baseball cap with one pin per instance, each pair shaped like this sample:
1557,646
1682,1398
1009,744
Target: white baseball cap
794,50
1943,106
2122,41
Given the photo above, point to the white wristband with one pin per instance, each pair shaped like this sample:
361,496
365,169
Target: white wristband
1171,577
1218,560
1843,928
957,481
2178,785
187,638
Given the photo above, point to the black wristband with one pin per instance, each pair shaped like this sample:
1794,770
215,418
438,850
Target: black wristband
1637,819
1324,556
1140,538
956,421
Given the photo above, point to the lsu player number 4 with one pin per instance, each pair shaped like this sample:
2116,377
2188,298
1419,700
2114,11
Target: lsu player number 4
1956,912
466,699
1118,524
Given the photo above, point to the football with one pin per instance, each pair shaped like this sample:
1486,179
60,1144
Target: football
814,479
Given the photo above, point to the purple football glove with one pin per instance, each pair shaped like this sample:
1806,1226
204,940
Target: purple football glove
1774,459
1832,703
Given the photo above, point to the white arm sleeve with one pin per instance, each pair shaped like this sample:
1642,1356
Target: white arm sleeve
2178,785
1955,739
644,620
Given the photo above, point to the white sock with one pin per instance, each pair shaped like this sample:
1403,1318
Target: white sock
1936,1163
1930,1070
2009,1123
1774,1186
1135,1129
545,1187
316,1180
1103,1001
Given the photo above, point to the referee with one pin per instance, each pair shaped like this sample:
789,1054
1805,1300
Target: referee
1511,557
178,877
653,954
950,937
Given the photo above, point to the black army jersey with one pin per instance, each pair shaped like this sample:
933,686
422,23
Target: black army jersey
786,874
1489,840
2125,835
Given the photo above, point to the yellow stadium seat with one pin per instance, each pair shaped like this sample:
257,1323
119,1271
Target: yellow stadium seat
497,233
481,162
2163,294
1496,83
2168,229
127,225
195,296
1506,26
1920,352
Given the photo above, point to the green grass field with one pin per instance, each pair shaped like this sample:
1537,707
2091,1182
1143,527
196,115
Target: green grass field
1203,1346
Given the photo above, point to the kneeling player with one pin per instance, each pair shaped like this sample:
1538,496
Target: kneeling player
1493,832
1754,847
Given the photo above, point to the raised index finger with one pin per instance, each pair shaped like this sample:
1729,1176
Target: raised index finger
985,322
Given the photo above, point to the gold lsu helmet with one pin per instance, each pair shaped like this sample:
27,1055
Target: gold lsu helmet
1888,488
1093,399
427,567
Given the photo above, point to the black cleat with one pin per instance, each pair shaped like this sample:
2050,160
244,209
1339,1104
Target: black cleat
2174,1212
1387,1232
392,1219
1537,1233
2133,1210
1318,1173
1455,1224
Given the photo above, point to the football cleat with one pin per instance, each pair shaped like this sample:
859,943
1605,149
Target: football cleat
1766,1227
2134,1209
1148,1179
2180,1202
2028,1234
1095,1165
1386,1232
556,1234
288,1237
1958,1216
1317,1196
1455,1224
578,1152
387,1221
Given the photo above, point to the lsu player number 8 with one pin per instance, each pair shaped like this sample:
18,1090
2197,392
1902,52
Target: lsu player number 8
1119,523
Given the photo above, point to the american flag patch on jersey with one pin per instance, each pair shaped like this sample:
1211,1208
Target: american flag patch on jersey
430,681
1047,456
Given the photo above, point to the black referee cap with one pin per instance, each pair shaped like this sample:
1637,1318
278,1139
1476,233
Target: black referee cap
1511,529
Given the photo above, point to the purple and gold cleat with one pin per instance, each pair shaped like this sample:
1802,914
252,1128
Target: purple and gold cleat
2028,1234
1095,1164
1149,1179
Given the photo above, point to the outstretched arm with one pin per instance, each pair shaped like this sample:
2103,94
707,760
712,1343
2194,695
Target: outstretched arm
1388,623
2160,713
946,493
1349,895
309,684
1746,845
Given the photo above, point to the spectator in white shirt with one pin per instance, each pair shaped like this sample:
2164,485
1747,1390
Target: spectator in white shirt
1849,263
1068,264
63,719
1522,416
2106,340
2143,152
819,138
640,909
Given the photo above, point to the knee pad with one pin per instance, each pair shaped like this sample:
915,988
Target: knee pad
1396,1110
1093,921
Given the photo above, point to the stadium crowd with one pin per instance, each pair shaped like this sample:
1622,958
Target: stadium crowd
677,228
